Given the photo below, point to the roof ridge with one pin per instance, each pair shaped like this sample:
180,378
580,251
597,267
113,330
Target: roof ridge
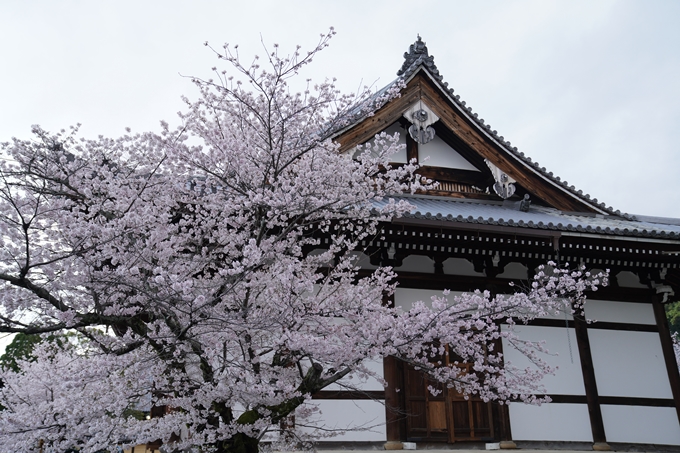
418,54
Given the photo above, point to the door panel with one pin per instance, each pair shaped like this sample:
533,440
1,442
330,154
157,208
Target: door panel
448,416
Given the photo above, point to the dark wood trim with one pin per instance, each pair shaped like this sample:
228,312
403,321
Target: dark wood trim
414,280
349,395
589,382
504,430
613,400
393,407
395,428
500,229
668,353
411,147
596,325
453,174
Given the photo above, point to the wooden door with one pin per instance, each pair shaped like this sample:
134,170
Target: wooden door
446,416
471,418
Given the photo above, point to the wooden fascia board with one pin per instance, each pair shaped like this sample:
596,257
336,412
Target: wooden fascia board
485,145
422,86
383,118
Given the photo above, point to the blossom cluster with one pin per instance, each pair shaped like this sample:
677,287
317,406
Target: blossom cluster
211,269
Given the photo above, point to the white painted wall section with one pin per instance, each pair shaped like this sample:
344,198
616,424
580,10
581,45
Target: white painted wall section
561,343
460,266
355,381
629,364
400,156
640,424
515,271
626,312
347,420
417,263
440,154
559,422
405,297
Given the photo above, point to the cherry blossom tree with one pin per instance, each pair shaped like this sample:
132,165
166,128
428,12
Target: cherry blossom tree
212,268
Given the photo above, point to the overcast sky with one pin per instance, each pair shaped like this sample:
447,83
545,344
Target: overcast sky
590,89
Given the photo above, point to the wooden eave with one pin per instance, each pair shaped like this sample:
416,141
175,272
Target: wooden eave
421,85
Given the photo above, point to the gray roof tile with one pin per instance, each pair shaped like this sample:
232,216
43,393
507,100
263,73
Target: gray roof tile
538,217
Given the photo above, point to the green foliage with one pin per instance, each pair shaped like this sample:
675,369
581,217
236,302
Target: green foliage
21,348
673,316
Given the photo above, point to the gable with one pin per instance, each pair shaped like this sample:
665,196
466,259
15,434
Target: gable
466,157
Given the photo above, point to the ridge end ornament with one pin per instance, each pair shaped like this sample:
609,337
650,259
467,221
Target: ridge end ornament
504,186
421,118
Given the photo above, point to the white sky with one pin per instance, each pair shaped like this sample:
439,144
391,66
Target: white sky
589,89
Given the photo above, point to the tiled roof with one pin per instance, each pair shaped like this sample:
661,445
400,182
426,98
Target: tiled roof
418,56
538,217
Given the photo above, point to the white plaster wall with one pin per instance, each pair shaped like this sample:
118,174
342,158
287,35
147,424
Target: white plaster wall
629,280
629,364
361,420
568,378
559,422
405,297
363,261
400,156
354,381
612,311
417,263
640,424
514,270
442,155
460,266
563,315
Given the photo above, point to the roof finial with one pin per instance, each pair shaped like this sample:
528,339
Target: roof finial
417,54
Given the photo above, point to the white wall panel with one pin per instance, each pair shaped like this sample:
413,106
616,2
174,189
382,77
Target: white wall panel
559,422
629,364
442,155
460,266
354,381
640,424
628,279
514,270
362,420
568,379
405,297
417,263
399,157
612,311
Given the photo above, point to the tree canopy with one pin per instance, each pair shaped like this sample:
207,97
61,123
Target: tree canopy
213,268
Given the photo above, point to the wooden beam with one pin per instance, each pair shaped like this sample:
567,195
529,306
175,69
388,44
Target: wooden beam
668,353
386,116
453,174
592,397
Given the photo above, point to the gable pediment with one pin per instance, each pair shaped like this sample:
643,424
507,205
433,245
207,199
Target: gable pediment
464,150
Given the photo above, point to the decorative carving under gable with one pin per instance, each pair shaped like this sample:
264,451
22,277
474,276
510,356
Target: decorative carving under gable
504,185
422,118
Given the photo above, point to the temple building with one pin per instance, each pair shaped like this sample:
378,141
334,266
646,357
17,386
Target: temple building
493,218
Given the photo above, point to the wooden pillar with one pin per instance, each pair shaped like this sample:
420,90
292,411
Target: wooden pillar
411,148
668,353
589,382
393,409
392,374
504,431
